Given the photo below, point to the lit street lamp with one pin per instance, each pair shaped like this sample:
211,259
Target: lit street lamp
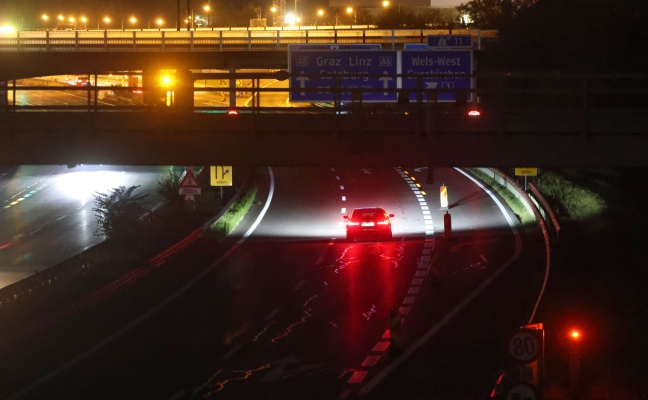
207,9
132,20
85,23
58,21
73,22
106,20
273,10
159,23
350,10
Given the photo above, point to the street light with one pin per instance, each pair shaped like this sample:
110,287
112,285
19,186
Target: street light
106,20
273,10
159,23
59,19
207,9
73,22
85,23
350,10
320,14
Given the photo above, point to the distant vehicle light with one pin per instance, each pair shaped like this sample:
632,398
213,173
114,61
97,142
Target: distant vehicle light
232,112
474,113
82,81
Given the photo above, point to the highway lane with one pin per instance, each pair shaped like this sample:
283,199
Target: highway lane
46,212
295,311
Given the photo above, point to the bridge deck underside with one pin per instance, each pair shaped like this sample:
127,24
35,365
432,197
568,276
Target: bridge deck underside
152,138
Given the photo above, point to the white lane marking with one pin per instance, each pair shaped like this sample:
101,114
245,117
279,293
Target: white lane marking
230,353
272,314
299,285
370,361
343,198
381,346
319,260
413,289
341,187
155,309
357,377
366,389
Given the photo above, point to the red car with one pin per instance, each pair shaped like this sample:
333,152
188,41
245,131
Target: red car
82,81
368,222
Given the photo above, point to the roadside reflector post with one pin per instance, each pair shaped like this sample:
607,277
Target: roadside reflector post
447,224
395,328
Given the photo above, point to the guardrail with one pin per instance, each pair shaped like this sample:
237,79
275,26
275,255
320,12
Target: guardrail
220,39
574,101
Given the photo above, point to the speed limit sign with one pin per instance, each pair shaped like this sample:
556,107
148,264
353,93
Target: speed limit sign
524,346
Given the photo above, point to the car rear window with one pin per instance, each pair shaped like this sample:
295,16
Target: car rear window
367,215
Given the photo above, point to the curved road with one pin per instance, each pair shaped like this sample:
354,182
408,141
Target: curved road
46,212
293,310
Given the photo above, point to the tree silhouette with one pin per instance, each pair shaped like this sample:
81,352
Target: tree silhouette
119,213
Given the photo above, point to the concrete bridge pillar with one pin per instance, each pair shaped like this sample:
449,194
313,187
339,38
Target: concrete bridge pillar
151,87
4,95
184,84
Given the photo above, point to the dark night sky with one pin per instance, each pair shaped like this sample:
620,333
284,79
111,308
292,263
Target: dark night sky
29,11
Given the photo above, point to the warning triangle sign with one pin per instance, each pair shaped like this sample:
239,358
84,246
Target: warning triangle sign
189,181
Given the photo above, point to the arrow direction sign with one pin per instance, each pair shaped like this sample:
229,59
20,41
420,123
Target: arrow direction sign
302,83
348,70
386,80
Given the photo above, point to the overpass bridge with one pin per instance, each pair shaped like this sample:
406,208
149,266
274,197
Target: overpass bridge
39,53
526,120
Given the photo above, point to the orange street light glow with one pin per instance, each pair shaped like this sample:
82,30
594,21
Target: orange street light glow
574,334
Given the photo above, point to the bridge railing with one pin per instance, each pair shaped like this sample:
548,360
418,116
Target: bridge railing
569,103
217,40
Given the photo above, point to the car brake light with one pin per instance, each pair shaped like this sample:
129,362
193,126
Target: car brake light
232,112
385,222
350,223
474,113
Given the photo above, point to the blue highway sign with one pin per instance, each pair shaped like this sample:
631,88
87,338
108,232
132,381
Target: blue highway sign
438,69
450,41
415,46
324,69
